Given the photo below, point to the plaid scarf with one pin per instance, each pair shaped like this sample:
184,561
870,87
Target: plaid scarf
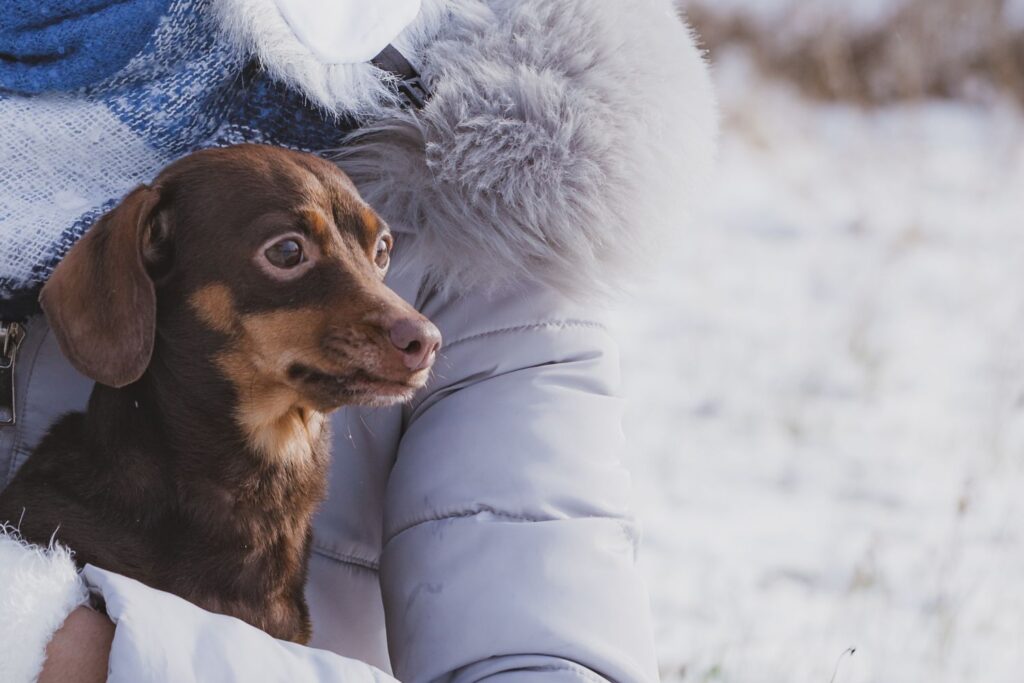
70,155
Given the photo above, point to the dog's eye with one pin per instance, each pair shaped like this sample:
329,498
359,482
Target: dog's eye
383,256
285,254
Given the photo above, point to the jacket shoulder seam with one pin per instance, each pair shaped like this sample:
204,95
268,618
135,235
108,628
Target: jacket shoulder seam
569,323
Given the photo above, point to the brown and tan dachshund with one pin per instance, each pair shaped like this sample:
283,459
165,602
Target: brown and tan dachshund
222,311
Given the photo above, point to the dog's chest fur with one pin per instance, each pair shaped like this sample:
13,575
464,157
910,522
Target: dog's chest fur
227,531
249,532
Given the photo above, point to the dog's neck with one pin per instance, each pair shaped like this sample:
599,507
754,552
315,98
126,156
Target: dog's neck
183,414
201,490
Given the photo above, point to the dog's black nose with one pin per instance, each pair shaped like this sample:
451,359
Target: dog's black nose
418,340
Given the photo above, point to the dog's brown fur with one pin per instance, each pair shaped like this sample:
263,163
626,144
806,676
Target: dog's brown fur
203,452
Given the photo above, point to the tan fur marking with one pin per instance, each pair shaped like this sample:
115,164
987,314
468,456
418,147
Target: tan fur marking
215,307
275,419
371,223
278,428
318,224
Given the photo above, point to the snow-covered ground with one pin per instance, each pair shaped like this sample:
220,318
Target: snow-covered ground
826,383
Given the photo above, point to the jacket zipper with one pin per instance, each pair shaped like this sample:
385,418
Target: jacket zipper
11,336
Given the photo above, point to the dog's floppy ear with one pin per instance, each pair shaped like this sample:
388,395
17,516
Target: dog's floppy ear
100,301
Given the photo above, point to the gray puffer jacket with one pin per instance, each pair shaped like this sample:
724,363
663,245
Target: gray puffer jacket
483,531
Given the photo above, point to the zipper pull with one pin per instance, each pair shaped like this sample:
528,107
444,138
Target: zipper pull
11,336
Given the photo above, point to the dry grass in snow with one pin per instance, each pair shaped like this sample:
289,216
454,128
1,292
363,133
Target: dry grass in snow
875,50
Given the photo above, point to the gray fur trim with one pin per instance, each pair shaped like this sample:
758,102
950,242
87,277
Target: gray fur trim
562,138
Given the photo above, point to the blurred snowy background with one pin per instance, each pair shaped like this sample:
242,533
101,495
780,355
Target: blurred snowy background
826,376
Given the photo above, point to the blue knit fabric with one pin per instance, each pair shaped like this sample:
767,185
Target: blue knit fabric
67,157
67,44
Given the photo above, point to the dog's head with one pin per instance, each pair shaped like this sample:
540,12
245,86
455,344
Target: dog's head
264,259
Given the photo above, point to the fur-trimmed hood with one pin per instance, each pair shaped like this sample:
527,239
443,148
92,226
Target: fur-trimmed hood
562,137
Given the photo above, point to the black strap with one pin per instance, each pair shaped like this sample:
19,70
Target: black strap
17,307
410,85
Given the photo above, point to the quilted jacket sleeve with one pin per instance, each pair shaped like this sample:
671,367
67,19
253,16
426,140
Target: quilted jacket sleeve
509,548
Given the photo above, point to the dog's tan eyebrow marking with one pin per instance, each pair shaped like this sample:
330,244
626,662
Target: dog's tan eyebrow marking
318,223
215,306
371,224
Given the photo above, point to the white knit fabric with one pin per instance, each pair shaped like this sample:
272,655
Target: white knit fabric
59,144
68,157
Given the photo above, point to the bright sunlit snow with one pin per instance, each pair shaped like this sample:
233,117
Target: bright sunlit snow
826,399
